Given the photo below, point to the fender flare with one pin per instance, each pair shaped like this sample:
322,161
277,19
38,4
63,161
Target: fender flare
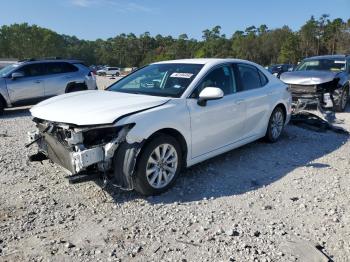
75,83
3,100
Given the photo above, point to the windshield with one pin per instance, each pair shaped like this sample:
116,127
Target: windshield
158,80
274,68
7,69
334,65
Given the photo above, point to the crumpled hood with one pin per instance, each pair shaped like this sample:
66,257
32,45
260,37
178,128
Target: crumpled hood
311,77
93,107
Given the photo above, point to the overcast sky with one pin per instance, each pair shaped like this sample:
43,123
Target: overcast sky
92,19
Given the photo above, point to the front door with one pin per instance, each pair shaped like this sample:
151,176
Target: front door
220,122
29,88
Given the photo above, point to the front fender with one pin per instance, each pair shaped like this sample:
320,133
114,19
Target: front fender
173,115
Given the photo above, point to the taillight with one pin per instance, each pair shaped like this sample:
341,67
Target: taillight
92,74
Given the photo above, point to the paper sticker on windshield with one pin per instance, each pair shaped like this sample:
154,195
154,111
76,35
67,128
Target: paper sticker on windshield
181,75
339,62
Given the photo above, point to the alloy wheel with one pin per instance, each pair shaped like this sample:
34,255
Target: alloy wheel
277,124
161,166
344,99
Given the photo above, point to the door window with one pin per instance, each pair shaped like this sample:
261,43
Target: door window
263,78
31,70
59,68
221,77
251,77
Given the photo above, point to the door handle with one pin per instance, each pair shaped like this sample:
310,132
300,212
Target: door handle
37,81
239,101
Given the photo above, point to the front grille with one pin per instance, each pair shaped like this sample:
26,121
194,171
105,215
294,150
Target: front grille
303,89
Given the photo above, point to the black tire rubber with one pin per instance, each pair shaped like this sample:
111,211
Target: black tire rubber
140,181
268,137
117,74
76,88
2,106
340,107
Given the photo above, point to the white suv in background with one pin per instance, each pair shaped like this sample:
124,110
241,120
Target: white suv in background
113,71
32,80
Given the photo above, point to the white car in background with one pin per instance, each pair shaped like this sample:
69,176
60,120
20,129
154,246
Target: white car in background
113,71
156,121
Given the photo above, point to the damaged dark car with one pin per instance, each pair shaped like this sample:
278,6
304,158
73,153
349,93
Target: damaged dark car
321,81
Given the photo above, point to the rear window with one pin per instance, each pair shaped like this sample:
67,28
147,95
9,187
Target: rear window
263,78
59,68
250,77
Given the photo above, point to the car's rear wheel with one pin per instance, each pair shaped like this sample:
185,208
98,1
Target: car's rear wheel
76,88
275,126
343,100
117,74
159,165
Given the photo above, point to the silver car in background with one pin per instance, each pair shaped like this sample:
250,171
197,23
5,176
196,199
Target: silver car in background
30,81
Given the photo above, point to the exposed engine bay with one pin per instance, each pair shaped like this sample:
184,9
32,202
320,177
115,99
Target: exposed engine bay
79,149
314,106
317,94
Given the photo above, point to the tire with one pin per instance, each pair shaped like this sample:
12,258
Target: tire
275,125
343,100
2,106
117,74
161,175
76,88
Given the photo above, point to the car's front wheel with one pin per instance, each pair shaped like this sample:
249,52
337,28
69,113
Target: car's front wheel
275,125
159,165
2,106
343,100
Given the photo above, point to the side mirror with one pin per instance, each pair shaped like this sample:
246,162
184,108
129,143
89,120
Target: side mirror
209,93
16,75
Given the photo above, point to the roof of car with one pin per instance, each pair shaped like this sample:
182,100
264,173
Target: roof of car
32,60
202,61
326,57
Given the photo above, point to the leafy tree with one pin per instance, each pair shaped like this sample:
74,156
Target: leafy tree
257,43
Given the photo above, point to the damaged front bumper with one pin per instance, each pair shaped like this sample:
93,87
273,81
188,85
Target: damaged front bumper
323,96
77,149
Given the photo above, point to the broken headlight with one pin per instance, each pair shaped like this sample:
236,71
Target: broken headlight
99,136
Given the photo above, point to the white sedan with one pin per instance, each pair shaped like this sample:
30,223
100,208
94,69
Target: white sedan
156,121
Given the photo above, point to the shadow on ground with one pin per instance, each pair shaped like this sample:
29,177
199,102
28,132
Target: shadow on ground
10,113
247,168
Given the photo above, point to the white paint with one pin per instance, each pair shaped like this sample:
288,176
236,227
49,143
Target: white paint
221,125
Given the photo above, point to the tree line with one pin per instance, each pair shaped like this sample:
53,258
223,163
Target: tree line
259,44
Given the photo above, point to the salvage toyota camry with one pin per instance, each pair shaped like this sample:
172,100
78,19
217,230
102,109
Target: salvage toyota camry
160,119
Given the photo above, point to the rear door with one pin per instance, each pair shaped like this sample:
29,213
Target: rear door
58,75
220,122
253,85
28,89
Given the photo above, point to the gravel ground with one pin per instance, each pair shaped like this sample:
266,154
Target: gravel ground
245,205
